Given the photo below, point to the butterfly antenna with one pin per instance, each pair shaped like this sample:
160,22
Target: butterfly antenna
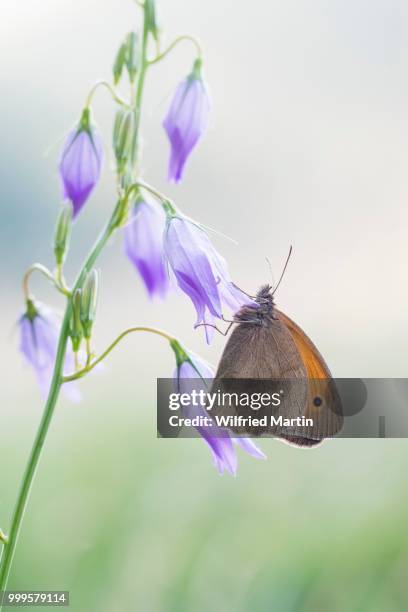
268,261
283,271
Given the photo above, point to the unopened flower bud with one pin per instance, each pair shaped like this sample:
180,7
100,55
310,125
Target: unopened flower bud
150,16
124,137
132,55
186,120
63,233
76,331
39,331
81,161
89,302
119,63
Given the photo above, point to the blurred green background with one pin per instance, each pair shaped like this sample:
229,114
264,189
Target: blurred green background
307,146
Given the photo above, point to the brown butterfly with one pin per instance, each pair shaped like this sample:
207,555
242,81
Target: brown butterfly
265,345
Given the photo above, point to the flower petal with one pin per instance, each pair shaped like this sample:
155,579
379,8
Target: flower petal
144,247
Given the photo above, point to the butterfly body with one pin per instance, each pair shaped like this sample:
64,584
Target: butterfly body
267,346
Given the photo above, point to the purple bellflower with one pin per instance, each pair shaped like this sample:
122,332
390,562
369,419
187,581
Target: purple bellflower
80,162
39,331
189,366
144,246
186,120
201,272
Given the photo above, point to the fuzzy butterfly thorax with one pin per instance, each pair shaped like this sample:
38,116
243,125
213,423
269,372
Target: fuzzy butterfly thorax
259,314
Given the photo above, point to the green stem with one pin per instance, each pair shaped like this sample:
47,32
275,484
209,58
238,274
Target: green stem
56,382
135,187
111,90
131,330
175,42
47,415
37,267
139,90
88,351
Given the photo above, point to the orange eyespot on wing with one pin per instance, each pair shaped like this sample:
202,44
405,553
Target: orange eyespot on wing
324,404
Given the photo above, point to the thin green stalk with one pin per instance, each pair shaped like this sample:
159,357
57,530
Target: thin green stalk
131,330
138,94
175,42
47,416
57,378
56,281
149,188
112,91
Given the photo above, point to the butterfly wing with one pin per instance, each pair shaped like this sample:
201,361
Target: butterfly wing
324,404
261,351
260,359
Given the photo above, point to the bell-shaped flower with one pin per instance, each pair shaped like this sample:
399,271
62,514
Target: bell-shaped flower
186,120
192,373
144,246
39,331
201,272
80,162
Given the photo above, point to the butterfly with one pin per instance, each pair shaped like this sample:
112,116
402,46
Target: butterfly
268,351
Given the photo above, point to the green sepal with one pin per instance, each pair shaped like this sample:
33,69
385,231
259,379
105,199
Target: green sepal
62,234
31,311
169,209
85,121
179,352
89,302
195,73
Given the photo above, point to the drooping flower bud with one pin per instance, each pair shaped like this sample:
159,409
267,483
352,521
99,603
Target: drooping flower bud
192,373
144,246
89,302
63,233
124,138
186,120
76,331
39,331
80,162
200,271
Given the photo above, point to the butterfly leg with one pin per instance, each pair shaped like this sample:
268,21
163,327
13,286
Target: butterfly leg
223,333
